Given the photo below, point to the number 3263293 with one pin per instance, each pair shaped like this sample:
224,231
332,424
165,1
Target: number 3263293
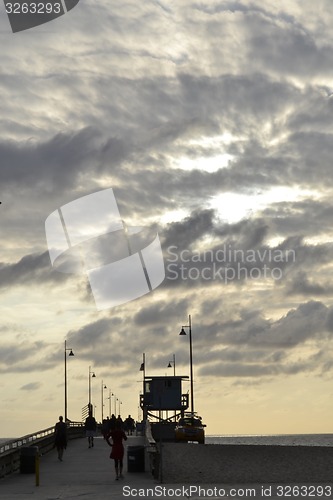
33,8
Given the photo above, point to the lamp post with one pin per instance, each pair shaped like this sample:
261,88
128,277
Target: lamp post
173,363
109,398
115,405
70,354
102,389
182,332
120,403
91,375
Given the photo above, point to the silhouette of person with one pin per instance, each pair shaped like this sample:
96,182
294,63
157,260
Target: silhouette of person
60,437
112,422
105,427
117,452
90,427
129,425
120,420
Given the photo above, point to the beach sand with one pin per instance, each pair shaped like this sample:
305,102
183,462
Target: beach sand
198,464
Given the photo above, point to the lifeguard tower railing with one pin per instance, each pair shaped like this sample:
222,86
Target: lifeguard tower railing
149,406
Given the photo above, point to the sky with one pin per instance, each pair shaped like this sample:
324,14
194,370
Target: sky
210,121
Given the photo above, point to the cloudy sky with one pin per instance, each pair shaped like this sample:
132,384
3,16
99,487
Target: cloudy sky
212,122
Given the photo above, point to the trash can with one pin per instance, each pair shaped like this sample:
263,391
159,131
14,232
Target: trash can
135,459
28,459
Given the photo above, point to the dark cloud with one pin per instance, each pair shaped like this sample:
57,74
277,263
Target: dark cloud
24,356
266,348
298,325
190,230
160,313
301,284
34,269
57,164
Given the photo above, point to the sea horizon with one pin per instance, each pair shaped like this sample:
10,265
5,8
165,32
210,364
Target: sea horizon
300,439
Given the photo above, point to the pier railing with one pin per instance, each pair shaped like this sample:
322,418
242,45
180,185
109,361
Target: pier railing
10,451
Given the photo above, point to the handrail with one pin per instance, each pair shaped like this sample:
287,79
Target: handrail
149,435
152,450
13,444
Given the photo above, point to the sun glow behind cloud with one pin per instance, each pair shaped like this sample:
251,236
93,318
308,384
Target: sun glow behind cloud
208,154
233,207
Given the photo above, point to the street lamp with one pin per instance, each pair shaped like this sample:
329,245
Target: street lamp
91,375
70,354
109,398
173,363
182,332
115,405
102,388
120,403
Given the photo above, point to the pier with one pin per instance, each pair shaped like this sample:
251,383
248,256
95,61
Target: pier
83,473
170,469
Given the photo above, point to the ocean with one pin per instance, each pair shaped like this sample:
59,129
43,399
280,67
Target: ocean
4,440
278,439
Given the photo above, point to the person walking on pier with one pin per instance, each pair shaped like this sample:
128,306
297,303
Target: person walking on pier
112,422
117,452
60,437
90,426
129,425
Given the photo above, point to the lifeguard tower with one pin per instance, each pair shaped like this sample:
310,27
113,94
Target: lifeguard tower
163,395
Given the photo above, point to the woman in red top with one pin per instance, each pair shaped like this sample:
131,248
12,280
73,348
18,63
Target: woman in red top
117,453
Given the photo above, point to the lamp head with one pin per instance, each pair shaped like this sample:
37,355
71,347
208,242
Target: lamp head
93,375
71,353
169,365
182,331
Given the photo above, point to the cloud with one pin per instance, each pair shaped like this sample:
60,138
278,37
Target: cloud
189,230
298,325
302,285
160,312
58,161
25,356
31,269
32,386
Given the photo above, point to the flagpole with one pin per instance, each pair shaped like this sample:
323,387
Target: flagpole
144,371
